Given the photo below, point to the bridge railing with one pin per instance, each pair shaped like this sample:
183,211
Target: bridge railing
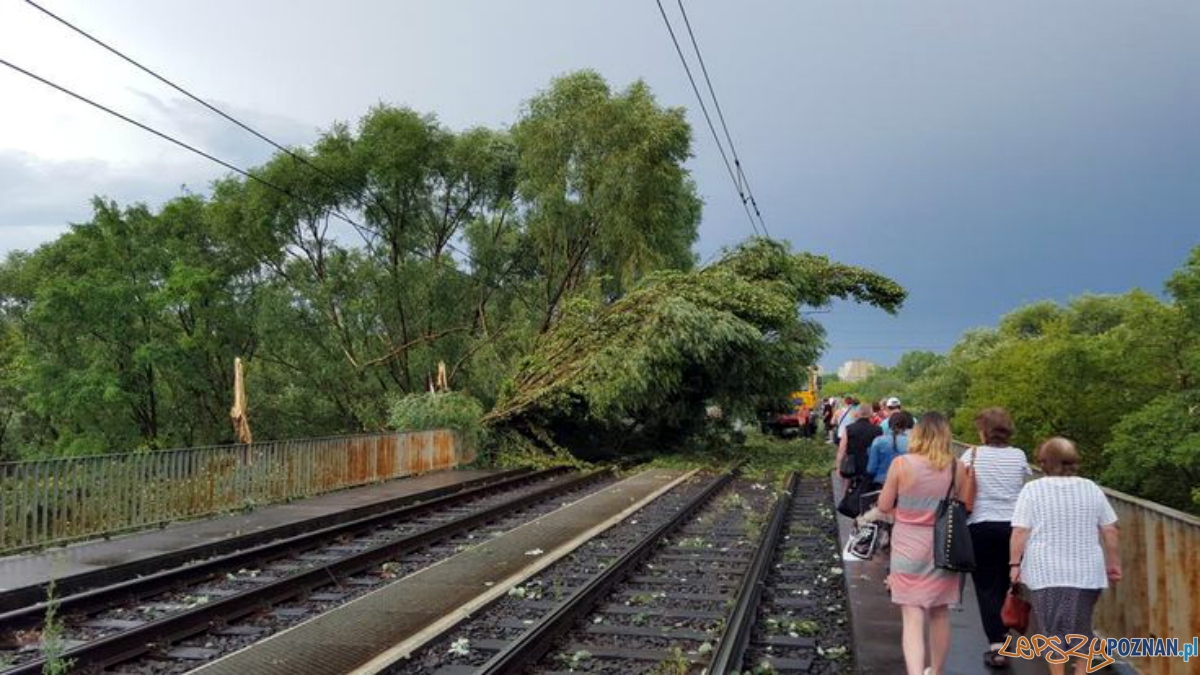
52,501
1159,593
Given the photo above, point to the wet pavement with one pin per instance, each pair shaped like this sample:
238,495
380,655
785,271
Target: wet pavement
876,624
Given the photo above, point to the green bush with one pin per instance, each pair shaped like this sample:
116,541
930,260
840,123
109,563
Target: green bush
1155,452
449,410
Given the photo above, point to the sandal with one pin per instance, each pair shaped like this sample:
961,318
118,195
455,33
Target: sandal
994,659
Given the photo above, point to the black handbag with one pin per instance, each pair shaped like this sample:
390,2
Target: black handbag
849,467
952,547
850,504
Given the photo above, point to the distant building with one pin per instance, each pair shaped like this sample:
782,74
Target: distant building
856,370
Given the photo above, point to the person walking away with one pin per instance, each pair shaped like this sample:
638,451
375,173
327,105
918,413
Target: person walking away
1065,546
916,482
887,447
827,418
996,473
890,407
848,416
884,449
810,431
856,440
877,415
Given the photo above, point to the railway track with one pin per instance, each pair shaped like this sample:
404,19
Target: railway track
466,646
109,575
662,607
725,585
801,623
144,616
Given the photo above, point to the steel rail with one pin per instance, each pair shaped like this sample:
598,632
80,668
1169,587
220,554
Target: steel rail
739,628
535,642
25,596
98,599
134,642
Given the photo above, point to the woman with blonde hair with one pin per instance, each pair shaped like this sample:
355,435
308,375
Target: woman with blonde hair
1064,547
916,482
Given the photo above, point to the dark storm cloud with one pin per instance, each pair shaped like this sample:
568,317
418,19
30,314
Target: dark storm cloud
982,154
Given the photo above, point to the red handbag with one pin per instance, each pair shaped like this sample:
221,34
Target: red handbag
1015,613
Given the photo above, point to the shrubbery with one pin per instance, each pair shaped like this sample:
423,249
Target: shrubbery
450,410
1118,374
1155,452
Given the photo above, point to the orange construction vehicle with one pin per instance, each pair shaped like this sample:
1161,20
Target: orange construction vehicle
802,417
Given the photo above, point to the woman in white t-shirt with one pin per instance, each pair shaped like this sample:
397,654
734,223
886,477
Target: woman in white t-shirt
998,472
1064,546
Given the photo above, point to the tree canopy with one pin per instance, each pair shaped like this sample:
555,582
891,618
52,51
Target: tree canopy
1118,374
643,369
392,245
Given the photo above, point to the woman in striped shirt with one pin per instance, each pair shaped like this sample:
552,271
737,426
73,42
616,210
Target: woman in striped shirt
998,471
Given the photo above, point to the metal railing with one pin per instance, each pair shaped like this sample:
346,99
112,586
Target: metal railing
1159,593
53,501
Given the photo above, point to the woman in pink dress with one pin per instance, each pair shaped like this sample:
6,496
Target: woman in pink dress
916,482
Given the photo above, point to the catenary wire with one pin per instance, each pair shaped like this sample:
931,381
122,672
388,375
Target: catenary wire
737,162
193,149
230,118
707,118
149,129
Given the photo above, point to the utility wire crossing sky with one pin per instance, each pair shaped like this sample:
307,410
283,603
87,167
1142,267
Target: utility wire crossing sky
984,156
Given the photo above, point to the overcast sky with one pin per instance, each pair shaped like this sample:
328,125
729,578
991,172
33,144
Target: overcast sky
982,154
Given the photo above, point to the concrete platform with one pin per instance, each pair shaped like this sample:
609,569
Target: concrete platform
876,623
37,569
378,629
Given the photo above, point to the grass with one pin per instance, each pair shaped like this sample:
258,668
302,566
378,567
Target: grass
53,644
677,664
766,458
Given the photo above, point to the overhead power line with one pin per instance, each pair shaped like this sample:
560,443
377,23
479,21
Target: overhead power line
737,162
337,213
230,118
176,87
708,118
152,130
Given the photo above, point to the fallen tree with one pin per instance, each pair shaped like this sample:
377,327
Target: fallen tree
641,371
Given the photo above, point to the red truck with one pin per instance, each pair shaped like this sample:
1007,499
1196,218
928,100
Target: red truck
789,423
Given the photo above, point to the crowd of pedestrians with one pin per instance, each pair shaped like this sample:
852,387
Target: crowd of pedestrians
1052,540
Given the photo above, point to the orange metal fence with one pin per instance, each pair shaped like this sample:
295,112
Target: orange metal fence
1159,594
57,500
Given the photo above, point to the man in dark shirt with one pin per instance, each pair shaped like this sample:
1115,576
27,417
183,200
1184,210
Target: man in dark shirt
857,439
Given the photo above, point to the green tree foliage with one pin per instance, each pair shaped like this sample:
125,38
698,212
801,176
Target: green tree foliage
1155,451
914,364
439,410
468,248
124,325
1055,384
11,409
886,382
641,371
602,175
1118,374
